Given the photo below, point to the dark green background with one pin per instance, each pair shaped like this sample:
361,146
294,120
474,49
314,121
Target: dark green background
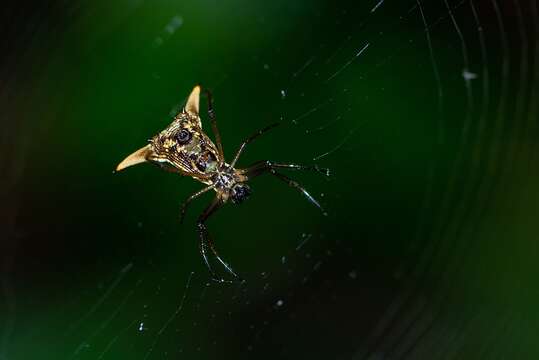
429,250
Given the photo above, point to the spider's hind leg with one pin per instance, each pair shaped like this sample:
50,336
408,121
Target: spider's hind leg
207,243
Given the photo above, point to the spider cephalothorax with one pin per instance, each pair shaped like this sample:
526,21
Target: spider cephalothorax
184,148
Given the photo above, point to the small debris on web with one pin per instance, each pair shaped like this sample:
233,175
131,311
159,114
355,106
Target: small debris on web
467,75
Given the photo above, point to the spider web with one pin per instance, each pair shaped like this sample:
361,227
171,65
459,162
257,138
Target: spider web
426,113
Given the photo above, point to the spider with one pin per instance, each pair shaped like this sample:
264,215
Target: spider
184,148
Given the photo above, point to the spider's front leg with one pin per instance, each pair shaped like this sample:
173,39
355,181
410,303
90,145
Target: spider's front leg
260,167
207,243
215,129
265,166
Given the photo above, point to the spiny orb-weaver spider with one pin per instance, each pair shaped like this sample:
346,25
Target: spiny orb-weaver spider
184,148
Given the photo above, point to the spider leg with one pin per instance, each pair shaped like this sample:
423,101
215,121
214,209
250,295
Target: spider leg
301,189
249,139
206,241
215,129
186,203
266,166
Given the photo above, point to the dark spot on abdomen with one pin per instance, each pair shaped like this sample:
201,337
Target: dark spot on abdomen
205,161
201,165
